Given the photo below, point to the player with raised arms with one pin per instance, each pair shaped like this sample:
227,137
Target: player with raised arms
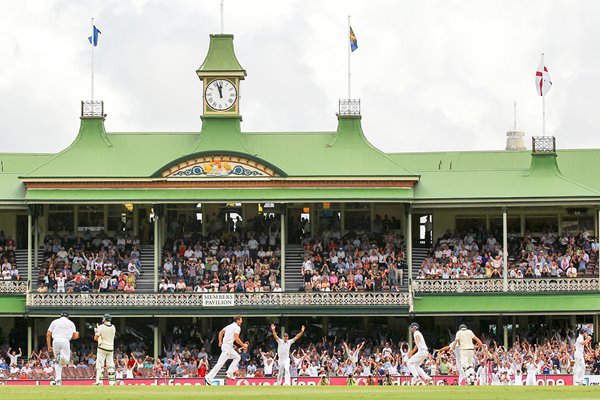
283,354
227,337
60,332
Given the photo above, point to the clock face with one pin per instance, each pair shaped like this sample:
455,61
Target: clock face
220,94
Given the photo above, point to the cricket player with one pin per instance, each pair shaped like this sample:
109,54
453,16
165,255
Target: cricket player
465,338
60,332
283,354
579,370
417,355
227,336
104,334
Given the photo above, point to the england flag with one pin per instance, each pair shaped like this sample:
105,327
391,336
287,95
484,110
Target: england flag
542,79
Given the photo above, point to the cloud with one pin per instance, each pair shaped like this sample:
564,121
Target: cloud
431,75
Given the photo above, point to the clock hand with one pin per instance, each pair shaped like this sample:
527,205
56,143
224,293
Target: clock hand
220,88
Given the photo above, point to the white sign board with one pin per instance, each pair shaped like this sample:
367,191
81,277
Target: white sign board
218,300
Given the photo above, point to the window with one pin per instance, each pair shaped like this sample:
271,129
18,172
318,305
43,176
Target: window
60,218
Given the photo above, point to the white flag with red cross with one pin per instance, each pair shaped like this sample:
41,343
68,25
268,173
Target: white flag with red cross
542,79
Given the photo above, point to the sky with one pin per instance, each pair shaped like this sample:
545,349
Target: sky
431,75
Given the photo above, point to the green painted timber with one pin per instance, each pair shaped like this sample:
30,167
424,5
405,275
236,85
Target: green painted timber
198,195
14,304
507,303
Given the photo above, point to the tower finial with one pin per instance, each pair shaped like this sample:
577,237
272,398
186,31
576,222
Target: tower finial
515,115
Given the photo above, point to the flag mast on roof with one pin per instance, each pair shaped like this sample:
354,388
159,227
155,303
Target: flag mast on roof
543,85
222,18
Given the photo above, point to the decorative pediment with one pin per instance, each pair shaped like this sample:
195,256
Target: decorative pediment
219,166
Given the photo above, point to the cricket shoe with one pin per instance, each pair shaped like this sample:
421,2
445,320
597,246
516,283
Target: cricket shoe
231,376
98,383
56,383
207,382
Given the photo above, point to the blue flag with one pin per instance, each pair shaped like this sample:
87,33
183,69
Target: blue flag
353,41
94,38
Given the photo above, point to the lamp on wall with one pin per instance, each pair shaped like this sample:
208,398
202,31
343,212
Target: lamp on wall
128,206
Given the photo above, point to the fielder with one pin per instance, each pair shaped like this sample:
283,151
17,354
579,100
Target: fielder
227,336
60,332
283,354
417,355
104,334
579,370
464,338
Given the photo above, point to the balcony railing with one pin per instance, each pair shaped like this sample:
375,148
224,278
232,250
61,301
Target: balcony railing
197,300
19,287
535,285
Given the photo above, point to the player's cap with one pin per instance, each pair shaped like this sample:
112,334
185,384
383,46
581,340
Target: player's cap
64,314
414,325
107,317
285,334
462,326
582,330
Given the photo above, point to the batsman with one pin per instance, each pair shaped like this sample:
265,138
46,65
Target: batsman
104,334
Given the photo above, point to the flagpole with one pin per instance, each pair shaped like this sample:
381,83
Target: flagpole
349,51
543,100
222,18
92,43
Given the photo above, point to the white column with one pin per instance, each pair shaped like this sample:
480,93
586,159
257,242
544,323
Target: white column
29,338
409,244
313,219
504,249
36,242
283,236
156,253
342,219
29,246
505,334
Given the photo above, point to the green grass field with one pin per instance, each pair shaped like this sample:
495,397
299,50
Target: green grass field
298,392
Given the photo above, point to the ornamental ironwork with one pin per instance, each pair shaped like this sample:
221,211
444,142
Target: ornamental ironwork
13,286
92,108
106,300
219,166
543,144
349,107
535,285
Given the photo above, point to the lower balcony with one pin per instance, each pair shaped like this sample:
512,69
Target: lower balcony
529,286
347,303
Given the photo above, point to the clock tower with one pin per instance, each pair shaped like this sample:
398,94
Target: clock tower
221,74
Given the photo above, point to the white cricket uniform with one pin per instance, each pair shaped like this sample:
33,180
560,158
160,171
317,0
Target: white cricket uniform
106,345
283,354
461,373
464,337
579,368
227,352
414,363
62,332
531,373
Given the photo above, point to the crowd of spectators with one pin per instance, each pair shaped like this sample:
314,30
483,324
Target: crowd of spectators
356,262
89,264
234,257
476,255
8,262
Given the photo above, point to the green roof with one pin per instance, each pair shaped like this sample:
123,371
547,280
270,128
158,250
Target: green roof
344,153
221,56
11,167
504,174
